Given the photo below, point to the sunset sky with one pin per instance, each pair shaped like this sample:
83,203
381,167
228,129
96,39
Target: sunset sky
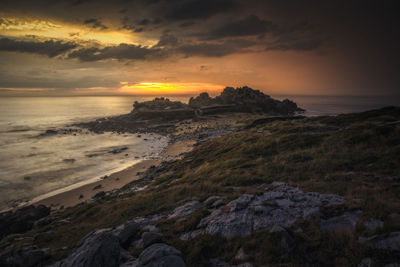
95,47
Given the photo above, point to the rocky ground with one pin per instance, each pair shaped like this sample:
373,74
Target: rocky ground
295,192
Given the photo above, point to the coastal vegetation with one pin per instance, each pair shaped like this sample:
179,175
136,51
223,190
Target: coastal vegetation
355,156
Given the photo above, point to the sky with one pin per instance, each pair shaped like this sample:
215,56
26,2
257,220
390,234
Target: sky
144,47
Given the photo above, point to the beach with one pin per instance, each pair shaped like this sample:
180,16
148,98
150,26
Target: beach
68,198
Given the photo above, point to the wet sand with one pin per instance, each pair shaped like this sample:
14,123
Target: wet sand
116,180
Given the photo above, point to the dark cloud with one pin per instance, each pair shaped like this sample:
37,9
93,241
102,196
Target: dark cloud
167,40
296,44
95,24
120,52
49,48
196,9
251,25
221,49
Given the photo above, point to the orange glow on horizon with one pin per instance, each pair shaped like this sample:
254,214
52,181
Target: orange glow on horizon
173,88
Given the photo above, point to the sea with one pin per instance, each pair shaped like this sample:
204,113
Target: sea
33,163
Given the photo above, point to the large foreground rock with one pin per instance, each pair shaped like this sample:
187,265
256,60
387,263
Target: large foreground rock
160,254
21,220
281,206
24,257
99,248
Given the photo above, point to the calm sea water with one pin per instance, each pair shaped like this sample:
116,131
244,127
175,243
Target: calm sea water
31,165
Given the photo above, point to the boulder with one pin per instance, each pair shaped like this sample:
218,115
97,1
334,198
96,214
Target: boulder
160,254
126,232
24,257
150,238
345,222
388,241
280,206
186,209
21,220
97,249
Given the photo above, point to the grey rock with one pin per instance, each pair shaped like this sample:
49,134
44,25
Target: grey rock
186,209
160,254
98,248
21,220
125,256
130,263
281,206
25,257
191,234
138,244
373,224
126,232
388,241
366,262
150,238
345,222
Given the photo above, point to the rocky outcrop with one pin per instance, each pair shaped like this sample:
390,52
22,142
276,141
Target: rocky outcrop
98,248
242,99
158,104
280,206
160,114
21,220
106,247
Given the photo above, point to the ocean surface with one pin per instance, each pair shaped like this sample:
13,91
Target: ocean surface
32,164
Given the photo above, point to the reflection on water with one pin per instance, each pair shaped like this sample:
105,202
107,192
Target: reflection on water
31,165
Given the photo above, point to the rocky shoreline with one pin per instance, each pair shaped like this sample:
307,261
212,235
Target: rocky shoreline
256,190
163,116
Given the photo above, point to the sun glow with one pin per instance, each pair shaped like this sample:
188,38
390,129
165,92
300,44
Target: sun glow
173,88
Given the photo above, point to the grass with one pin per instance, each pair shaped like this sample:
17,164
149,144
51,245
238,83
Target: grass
354,155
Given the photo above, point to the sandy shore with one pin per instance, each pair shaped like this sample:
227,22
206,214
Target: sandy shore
116,180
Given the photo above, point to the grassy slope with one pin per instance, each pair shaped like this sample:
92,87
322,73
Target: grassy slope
355,155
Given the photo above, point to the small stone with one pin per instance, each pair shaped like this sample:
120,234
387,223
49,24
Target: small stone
97,187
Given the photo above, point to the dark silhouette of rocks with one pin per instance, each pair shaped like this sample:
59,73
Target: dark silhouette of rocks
161,114
21,220
242,99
